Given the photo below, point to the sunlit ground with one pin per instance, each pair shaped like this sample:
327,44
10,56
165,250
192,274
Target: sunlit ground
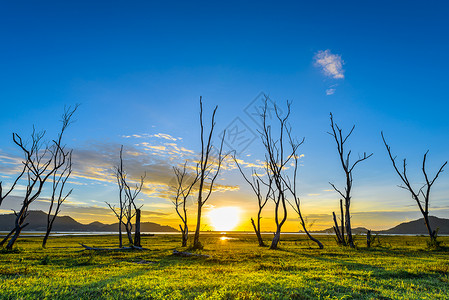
236,268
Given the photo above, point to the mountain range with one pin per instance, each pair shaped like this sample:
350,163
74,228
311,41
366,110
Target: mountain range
38,222
412,227
38,219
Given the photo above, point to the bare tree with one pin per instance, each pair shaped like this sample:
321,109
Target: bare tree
4,195
132,209
58,196
209,167
340,232
291,185
60,178
184,186
421,196
276,160
340,140
119,212
262,197
41,161
127,209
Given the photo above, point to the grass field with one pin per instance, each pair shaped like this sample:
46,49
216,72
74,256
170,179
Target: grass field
398,268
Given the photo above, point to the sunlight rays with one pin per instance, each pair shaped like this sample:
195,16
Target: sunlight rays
224,218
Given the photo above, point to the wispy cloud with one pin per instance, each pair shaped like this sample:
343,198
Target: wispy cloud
164,136
94,164
258,165
331,64
155,160
330,92
10,164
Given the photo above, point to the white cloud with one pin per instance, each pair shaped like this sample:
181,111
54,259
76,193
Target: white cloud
146,136
165,136
330,92
331,64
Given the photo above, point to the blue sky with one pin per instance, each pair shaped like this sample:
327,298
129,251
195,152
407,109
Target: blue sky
139,69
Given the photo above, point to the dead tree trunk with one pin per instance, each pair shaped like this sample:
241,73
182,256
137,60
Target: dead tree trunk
277,158
5,239
258,235
348,223
57,197
209,169
292,187
19,221
127,196
342,220
422,196
262,197
47,234
137,232
258,229
368,238
184,236
132,247
120,236
16,234
129,230
340,237
340,232
40,163
196,238
119,174
347,168
279,223
184,186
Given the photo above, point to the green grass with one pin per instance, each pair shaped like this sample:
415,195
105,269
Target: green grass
398,268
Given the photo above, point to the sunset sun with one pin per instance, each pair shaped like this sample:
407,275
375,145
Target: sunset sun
224,218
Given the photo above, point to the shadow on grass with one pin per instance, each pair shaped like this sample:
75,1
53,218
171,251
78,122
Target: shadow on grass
343,267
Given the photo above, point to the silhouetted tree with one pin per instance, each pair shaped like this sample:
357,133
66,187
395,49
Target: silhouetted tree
41,161
58,196
340,140
370,238
291,185
276,162
59,180
421,196
132,209
184,186
340,232
127,209
277,159
209,167
119,212
257,184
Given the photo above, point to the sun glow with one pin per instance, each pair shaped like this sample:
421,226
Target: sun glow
224,218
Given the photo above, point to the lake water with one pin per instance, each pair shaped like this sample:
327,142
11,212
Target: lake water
81,233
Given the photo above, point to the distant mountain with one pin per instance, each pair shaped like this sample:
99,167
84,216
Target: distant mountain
38,222
357,230
413,227
419,227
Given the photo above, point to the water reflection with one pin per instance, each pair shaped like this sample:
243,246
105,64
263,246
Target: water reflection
225,238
